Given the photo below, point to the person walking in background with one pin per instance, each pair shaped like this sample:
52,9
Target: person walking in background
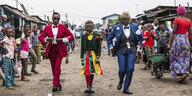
149,37
164,39
90,54
39,31
156,28
107,32
57,35
139,47
128,37
101,36
144,29
180,45
74,40
67,45
23,53
35,42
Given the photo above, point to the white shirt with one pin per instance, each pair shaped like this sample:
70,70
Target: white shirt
38,32
9,46
55,31
155,27
73,32
126,31
140,27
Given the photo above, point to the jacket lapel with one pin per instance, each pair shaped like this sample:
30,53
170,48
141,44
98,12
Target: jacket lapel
131,29
51,31
120,30
94,38
134,33
85,41
59,29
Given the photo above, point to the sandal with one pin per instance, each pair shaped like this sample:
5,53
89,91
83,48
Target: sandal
67,61
16,86
10,88
182,79
25,79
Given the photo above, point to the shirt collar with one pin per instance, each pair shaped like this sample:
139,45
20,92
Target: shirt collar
90,33
7,38
125,26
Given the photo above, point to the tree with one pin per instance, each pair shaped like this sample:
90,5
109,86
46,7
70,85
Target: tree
117,21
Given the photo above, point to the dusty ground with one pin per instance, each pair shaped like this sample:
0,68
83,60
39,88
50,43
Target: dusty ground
143,84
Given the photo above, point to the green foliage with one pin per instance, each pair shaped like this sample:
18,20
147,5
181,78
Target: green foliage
117,21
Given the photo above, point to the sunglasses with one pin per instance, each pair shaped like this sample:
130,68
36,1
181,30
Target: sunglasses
125,19
56,18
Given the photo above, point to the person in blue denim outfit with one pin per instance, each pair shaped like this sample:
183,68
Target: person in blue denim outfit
128,37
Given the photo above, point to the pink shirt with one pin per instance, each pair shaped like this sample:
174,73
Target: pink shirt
25,46
9,46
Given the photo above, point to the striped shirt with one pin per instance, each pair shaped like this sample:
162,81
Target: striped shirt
35,40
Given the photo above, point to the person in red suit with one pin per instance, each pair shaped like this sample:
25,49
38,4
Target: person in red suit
57,35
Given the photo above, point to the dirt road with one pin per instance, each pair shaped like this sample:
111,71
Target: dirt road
143,84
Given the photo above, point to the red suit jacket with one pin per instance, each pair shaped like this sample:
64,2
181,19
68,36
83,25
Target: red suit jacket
63,32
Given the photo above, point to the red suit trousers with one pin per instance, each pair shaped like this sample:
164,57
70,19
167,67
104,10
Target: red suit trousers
55,59
89,79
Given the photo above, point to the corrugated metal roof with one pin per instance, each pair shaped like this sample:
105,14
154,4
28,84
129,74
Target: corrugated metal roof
110,15
21,14
163,7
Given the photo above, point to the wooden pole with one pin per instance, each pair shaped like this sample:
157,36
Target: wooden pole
67,18
189,10
16,3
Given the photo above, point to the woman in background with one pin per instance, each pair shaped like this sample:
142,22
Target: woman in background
180,45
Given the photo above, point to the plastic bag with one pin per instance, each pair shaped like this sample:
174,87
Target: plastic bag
18,67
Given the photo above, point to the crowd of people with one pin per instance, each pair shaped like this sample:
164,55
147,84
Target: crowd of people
130,46
129,41
17,54
14,53
158,39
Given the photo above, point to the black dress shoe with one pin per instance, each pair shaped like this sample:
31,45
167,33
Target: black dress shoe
88,90
59,88
56,88
127,92
3,84
34,71
27,74
119,86
92,91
